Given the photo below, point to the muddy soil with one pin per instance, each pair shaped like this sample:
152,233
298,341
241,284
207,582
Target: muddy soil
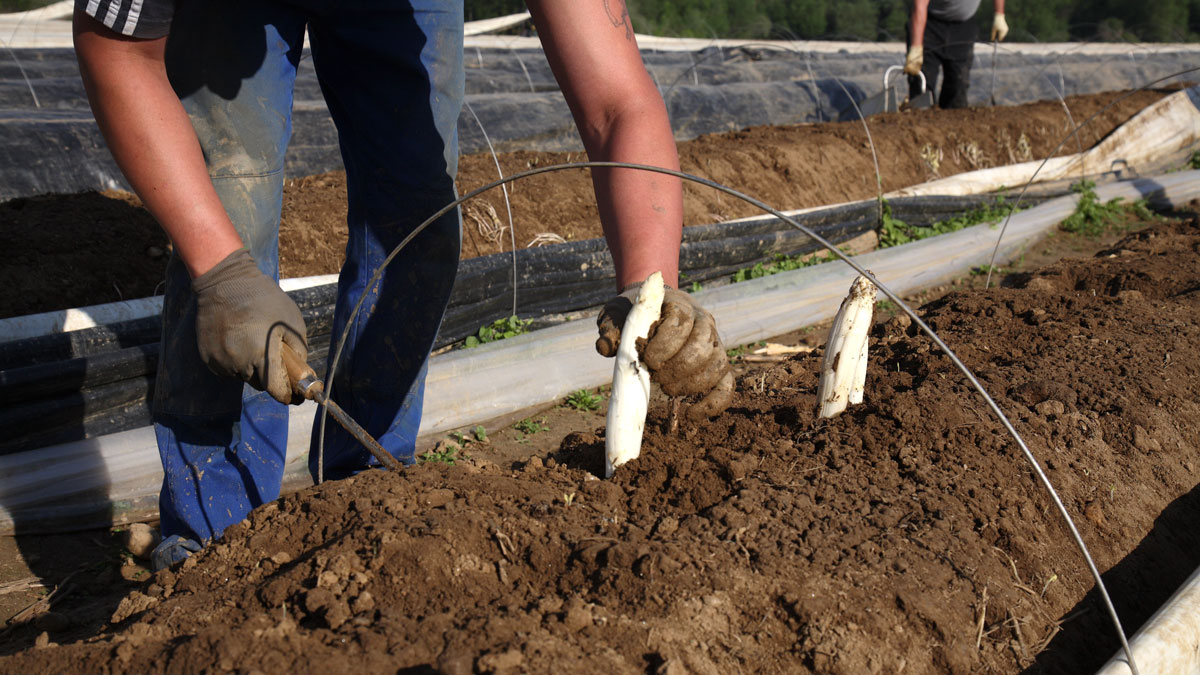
77,250
909,534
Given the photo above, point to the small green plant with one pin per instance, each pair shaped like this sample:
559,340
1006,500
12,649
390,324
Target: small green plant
1093,218
477,435
1141,209
781,263
884,305
740,350
583,399
695,287
530,426
894,232
443,454
1194,161
983,270
499,329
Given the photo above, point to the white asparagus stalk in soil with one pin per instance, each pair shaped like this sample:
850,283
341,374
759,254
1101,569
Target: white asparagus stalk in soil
844,368
630,397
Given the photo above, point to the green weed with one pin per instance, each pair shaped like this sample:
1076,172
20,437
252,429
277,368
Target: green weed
984,269
781,263
894,232
1141,209
499,329
530,426
583,400
443,454
1093,218
478,435
740,350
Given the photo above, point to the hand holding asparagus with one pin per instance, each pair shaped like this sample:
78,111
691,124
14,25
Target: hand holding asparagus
682,350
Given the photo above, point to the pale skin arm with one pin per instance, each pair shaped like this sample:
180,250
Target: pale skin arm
621,117
152,140
920,14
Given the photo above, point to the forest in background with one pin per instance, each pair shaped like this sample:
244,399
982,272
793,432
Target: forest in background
884,20
876,20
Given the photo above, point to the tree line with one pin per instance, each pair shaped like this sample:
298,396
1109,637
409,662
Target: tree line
876,20
884,20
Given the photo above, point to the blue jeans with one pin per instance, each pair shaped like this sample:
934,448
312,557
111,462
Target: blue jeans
391,74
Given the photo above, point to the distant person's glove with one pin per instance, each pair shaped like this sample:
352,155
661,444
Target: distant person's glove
242,320
683,351
999,28
914,60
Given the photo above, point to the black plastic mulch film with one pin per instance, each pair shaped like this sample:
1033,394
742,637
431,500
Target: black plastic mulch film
55,146
67,386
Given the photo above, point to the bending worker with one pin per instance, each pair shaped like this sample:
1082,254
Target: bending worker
941,37
392,76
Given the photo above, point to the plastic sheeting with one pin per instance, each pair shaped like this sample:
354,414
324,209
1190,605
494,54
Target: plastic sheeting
63,387
52,144
1168,643
113,478
59,387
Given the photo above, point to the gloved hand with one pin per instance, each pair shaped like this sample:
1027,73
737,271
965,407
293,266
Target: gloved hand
999,27
242,320
683,351
914,60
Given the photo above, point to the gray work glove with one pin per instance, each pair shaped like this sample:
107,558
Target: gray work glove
683,351
242,320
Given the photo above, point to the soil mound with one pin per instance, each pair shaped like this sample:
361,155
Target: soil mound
909,534
76,250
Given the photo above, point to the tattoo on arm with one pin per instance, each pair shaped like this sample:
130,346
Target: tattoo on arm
620,17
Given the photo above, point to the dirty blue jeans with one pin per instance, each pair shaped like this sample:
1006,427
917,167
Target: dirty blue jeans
391,75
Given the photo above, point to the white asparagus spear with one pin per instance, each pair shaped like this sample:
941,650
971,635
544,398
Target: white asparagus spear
631,380
844,368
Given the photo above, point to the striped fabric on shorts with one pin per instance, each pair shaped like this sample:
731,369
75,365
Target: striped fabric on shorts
145,19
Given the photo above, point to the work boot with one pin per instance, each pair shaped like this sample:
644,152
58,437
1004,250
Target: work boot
172,550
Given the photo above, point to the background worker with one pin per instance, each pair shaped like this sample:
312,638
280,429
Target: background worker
392,77
941,37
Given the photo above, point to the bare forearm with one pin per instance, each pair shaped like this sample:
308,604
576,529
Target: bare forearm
152,141
920,15
621,117
641,211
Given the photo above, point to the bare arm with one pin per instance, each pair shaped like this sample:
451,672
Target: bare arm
152,140
621,117
920,14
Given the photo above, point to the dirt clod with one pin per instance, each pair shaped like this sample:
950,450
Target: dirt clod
140,540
